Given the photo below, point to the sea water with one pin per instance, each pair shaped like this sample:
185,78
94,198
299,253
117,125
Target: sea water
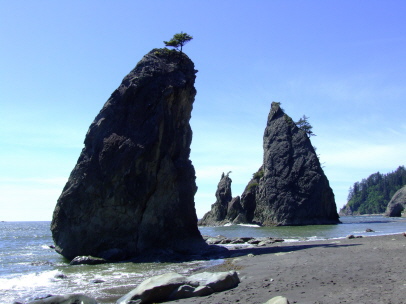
30,269
356,225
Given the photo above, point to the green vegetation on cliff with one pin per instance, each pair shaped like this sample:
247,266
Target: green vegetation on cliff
178,41
372,195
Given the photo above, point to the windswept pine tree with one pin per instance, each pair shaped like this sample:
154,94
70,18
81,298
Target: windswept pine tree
178,41
372,195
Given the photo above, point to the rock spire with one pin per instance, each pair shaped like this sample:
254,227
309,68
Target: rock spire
290,188
226,208
293,189
132,190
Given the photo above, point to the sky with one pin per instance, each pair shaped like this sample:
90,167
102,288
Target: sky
341,63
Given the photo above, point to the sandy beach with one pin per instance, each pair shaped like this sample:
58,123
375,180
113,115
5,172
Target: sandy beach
360,270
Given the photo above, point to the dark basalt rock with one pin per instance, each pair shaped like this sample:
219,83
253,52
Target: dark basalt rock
132,190
293,189
249,196
290,188
87,260
64,299
219,209
235,211
397,204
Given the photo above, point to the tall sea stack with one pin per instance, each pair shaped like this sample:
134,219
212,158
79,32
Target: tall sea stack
132,190
290,187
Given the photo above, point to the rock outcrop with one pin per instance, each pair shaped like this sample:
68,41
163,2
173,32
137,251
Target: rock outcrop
226,209
132,190
293,189
397,204
173,286
277,300
290,188
345,211
87,260
64,299
218,210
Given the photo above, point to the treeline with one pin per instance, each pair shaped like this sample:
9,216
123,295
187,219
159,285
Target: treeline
372,195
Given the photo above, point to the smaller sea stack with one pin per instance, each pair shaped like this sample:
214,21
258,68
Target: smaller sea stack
290,187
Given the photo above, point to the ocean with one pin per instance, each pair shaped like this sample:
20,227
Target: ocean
30,269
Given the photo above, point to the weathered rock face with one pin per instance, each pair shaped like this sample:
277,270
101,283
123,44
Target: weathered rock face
249,196
172,286
397,204
132,189
293,189
345,211
290,188
219,209
69,298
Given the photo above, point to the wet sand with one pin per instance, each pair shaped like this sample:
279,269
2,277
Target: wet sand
360,270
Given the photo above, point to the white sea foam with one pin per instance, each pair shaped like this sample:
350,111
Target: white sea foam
28,281
292,240
249,225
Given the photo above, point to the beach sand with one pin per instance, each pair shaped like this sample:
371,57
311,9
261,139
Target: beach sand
360,270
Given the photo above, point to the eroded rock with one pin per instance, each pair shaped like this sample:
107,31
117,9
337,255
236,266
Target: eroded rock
293,189
219,209
277,300
290,188
173,286
87,260
397,204
66,299
154,289
132,190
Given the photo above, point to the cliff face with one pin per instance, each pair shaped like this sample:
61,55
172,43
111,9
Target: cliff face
397,204
132,189
290,188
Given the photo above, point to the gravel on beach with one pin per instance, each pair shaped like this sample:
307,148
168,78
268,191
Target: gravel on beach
358,270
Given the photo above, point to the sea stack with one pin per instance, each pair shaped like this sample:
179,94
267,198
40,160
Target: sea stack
290,188
226,208
132,190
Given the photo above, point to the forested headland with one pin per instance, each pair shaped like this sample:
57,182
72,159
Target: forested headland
372,195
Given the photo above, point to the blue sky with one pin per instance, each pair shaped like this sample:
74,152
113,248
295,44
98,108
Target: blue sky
341,63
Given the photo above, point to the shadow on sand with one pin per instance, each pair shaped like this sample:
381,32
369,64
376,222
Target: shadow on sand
216,252
281,249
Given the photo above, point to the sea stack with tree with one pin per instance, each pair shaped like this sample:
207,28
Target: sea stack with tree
132,190
290,187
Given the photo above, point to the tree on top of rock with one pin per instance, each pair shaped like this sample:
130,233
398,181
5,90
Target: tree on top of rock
178,41
304,125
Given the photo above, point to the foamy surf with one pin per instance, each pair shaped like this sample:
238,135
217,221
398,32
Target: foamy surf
249,225
242,225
